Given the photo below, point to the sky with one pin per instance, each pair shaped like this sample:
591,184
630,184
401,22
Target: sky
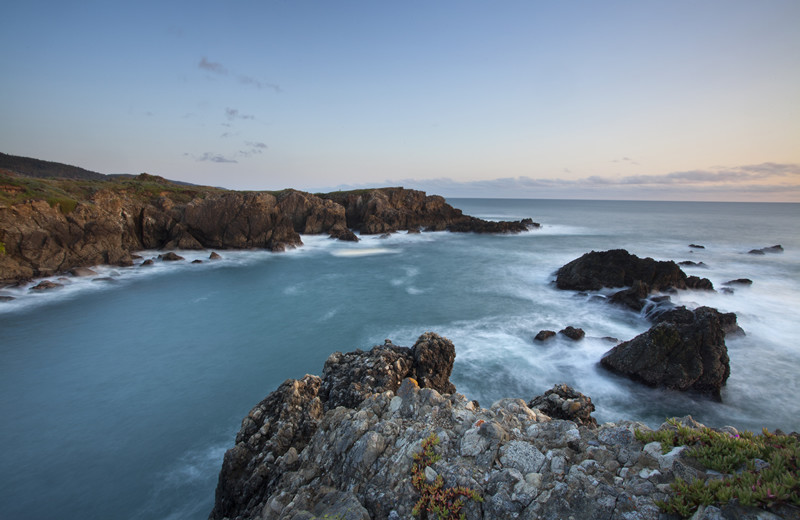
673,100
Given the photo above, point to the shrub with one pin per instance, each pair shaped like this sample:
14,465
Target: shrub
444,504
758,470
65,205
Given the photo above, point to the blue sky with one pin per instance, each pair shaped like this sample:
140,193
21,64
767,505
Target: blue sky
687,100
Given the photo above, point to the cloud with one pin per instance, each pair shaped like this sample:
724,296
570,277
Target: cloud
253,148
220,69
233,113
215,157
211,66
766,182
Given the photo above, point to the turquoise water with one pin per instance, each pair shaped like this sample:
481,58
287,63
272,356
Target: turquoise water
119,399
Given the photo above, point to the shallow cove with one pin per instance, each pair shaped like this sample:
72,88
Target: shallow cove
119,399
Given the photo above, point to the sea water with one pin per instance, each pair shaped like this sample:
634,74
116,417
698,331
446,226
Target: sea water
118,398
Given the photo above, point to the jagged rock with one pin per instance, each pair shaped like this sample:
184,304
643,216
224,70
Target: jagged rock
197,261
171,257
214,256
573,333
696,246
695,282
46,285
344,234
433,362
685,350
689,263
544,335
414,231
618,268
683,316
563,402
149,261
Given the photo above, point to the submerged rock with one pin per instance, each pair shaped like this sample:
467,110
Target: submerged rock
685,350
214,256
46,285
772,249
573,333
171,257
544,335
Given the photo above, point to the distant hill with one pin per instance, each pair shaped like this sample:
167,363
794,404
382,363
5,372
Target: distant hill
45,169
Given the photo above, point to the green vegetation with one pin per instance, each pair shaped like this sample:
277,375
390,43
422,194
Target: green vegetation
443,504
758,470
2,247
66,193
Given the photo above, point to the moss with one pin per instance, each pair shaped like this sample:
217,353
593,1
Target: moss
2,248
741,459
66,205
436,500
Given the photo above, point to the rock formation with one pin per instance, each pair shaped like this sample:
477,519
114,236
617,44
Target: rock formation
618,268
685,350
41,240
343,445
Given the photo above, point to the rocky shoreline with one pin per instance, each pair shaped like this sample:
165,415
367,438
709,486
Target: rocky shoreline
41,239
342,446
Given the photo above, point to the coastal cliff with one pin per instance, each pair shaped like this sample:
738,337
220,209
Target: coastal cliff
79,223
383,431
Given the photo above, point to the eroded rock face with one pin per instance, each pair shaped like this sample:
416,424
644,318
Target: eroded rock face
685,350
40,240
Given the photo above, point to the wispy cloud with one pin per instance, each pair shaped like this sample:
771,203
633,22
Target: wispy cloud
216,68
244,79
233,113
252,148
766,181
214,157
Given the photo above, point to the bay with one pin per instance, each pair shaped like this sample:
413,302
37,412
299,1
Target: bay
119,399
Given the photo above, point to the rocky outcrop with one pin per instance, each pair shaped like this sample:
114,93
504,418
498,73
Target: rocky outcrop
386,210
618,268
685,350
764,250
343,446
39,240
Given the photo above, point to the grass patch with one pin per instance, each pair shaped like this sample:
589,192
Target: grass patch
436,500
758,470
66,205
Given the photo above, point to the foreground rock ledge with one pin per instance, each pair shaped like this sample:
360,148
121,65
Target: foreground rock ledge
342,445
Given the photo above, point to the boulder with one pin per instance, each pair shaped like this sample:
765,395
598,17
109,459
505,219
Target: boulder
685,350
544,335
344,234
82,271
572,333
772,249
563,402
170,257
739,281
633,297
214,256
149,261
46,285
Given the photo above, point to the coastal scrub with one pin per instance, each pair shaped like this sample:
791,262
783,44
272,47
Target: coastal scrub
443,504
756,470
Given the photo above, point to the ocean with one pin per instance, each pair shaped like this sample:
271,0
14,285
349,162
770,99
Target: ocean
119,397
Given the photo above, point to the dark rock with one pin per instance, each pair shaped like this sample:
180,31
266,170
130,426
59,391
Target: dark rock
689,263
149,261
45,285
433,362
683,316
214,256
685,350
105,279
197,261
414,231
772,249
634,297
573,333
82,271
739,281
342,233
695,282
544,335
6,298
170,257
696,246
385,236
618,268
563,402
